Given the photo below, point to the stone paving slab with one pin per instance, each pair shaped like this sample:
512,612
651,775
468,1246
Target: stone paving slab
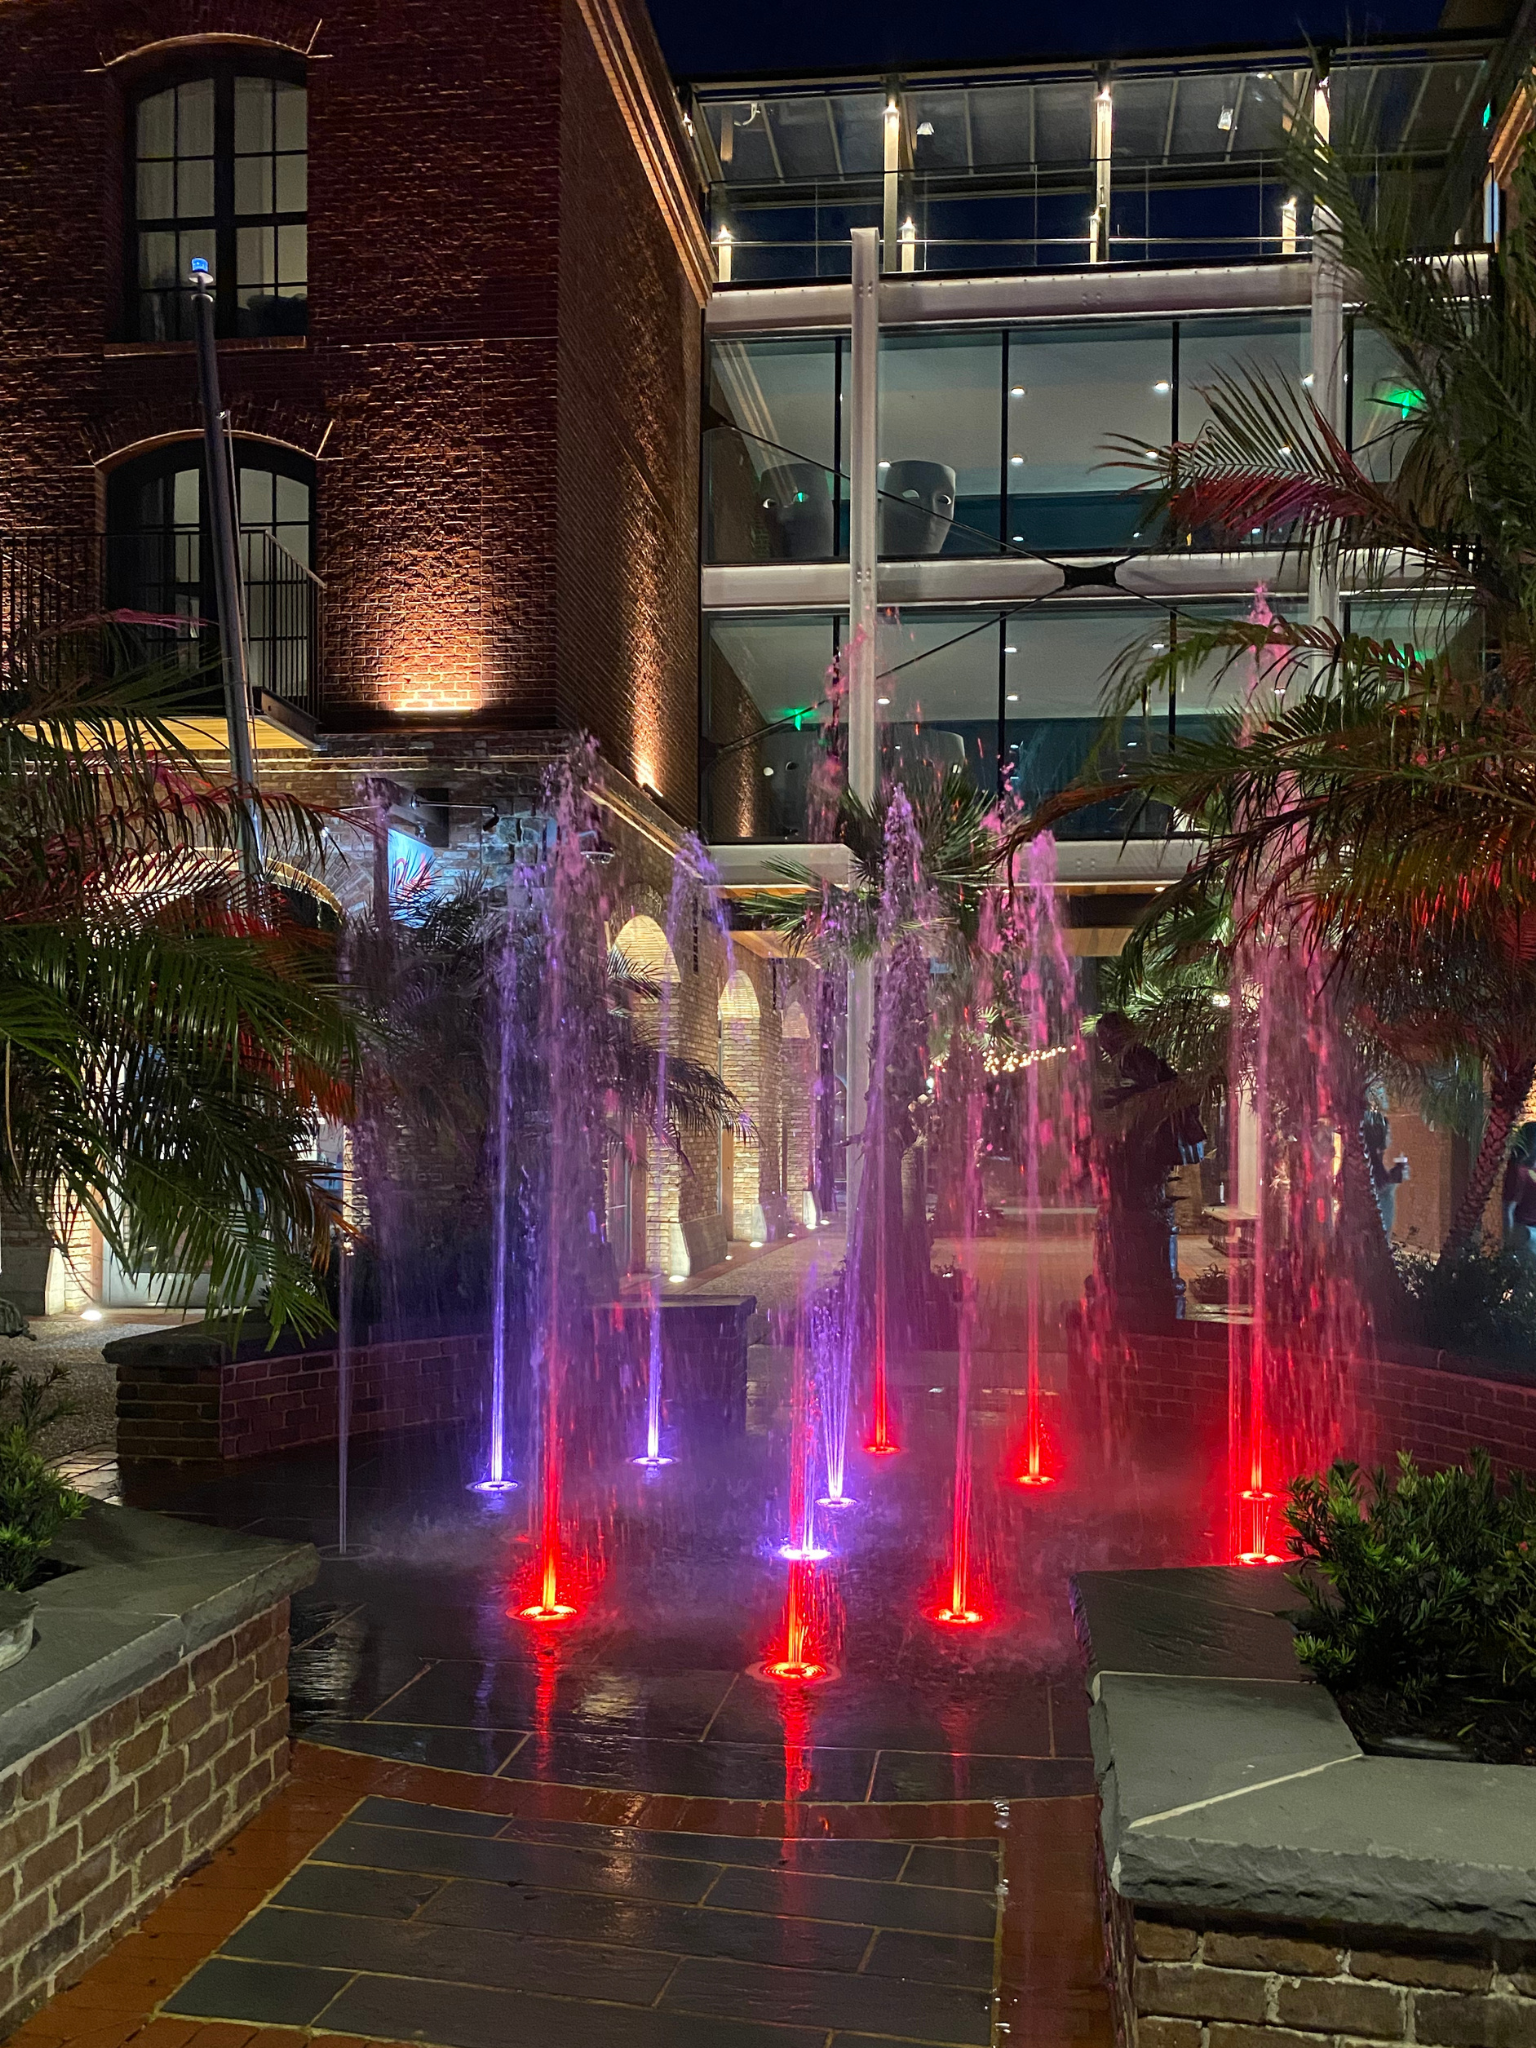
467,1930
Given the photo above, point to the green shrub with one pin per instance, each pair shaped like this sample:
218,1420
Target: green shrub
1420,1589
1478,1302
34,1502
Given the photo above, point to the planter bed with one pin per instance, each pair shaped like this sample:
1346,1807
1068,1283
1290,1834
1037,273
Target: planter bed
1266,1881
145,1724
190,1396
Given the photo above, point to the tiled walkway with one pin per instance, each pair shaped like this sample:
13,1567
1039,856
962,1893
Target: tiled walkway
468,1929
385,1902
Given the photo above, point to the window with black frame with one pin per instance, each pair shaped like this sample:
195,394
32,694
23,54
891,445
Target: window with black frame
161,569
218,169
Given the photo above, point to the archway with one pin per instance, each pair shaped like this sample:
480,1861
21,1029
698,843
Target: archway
797,1113
644,1204
741,1069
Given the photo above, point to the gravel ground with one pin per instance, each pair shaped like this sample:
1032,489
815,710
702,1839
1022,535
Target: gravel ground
92,1383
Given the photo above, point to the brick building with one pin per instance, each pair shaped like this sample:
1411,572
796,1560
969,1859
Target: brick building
460,277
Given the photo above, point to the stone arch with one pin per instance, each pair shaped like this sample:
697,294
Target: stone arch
644,945
647,949
741,1069
798,1111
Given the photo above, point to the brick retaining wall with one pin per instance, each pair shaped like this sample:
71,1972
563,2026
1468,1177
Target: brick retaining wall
1184,1986
1173,1383
101,1822
177,1402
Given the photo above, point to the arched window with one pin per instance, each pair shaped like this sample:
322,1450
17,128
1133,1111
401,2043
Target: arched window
160,554
218,168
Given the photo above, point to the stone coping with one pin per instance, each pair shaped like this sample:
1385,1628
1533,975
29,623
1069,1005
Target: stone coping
1230,1785
146,1592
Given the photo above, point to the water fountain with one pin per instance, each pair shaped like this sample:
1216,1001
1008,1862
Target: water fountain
495,1480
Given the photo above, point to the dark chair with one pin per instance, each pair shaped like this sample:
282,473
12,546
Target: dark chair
917,507
797,504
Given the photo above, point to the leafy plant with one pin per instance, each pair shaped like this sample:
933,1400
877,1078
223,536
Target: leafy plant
1420,1588
168,1036
1480,1303
34,1502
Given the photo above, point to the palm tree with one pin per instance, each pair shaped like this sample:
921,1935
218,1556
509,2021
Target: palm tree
168,1039
1373,799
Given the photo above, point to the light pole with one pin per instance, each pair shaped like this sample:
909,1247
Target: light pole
226,570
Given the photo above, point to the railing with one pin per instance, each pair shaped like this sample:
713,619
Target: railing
149,592
1177,163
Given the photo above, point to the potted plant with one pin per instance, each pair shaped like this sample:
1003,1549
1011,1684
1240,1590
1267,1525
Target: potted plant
34,1503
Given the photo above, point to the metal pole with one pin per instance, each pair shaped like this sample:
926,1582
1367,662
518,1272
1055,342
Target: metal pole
226,569
863,561
1327,350
890,211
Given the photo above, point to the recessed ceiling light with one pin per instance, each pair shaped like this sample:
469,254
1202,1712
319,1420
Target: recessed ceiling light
882,700
1017,391
1013,696
1010,650
1017,461
767,771
1162,387
884,465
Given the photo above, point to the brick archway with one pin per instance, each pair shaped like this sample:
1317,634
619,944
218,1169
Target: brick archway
741,1069
648,951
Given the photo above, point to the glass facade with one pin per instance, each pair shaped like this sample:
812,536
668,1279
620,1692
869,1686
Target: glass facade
1017,699
1006,172
940,444
771,456
989,440
767,704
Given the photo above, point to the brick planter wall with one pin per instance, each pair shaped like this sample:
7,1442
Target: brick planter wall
1172,1385
178,1400
1185,1986
101,1822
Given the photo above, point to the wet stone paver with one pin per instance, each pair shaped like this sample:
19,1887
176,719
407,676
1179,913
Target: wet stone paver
416,1922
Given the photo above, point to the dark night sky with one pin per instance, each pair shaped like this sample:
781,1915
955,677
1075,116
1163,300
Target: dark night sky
705,38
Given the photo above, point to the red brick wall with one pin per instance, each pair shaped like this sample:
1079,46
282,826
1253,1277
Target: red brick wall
1172,1387
501,364
630,334
97,1826
200,1413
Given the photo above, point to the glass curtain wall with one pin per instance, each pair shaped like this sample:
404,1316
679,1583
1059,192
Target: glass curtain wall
941,423
1071,391
998,173
767,710
1016,699
771,458
990,440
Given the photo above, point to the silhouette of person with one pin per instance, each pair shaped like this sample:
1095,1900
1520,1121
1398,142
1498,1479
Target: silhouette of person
1137,1237
1385,1180
1518,1195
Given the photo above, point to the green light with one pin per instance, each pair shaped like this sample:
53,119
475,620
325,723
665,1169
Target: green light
798,714
1488,113
1405,399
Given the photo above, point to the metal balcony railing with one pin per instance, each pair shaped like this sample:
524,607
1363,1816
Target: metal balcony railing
153,593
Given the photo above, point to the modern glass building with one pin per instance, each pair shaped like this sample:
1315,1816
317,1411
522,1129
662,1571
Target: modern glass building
1070,258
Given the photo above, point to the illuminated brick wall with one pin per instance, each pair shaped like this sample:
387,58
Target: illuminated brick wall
500,375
